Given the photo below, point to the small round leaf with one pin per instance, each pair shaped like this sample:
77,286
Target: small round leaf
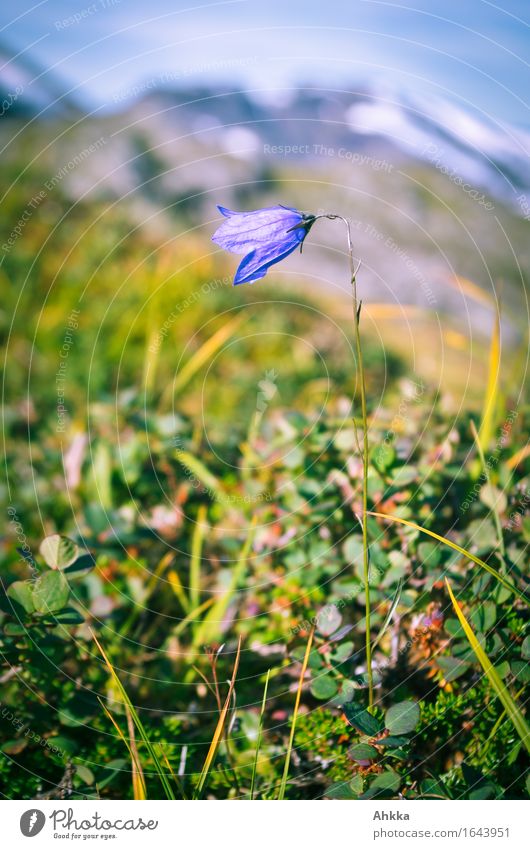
21,593
387,780
58,551
50,592
363,752
402,718
328,620
324,687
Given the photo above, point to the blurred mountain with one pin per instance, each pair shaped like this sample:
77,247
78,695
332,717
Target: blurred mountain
306,123
313,124
27,90
434,192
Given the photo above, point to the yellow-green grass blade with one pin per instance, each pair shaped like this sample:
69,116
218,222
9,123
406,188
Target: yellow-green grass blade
287,764
463,551
494,678
137,722
518,457
191,616
176,585
500,720
490,397
198,472
138,781
216,739
205,353
260,734
195,561
209,628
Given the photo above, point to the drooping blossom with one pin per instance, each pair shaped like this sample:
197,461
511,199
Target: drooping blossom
265,236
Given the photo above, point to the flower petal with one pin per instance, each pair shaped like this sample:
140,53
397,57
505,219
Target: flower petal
256,264
265,236
243,232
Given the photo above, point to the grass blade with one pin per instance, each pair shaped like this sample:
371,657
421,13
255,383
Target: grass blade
498,723
199,472
283,784
260,734
205,353
216,739
211,623
195,562
494,678
518,457
138,780
176,585
191,616
137,722
463,551
490,398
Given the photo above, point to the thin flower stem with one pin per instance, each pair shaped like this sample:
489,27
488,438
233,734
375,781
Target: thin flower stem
366,551
363,452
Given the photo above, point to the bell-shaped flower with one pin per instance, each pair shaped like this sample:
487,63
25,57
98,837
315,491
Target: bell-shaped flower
265,236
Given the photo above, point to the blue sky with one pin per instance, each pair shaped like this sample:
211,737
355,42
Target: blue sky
471,51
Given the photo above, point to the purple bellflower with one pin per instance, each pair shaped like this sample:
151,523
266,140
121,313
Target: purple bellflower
265,236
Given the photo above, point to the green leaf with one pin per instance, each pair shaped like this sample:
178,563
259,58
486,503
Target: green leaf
58,551
345,694
484,617
363,752
50,592
485,791
429,553
503,669
328,620
402,718
352,548
521,671
404,476
493,498
324,687
453,627
452,668
357,784
85,774
386,782
340,790
69,616
362,720
342,652
525,648
316,660
393,742
82,566
13,629
383,456
21,593
432,787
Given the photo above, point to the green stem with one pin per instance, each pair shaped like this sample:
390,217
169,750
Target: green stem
366,551
364,453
